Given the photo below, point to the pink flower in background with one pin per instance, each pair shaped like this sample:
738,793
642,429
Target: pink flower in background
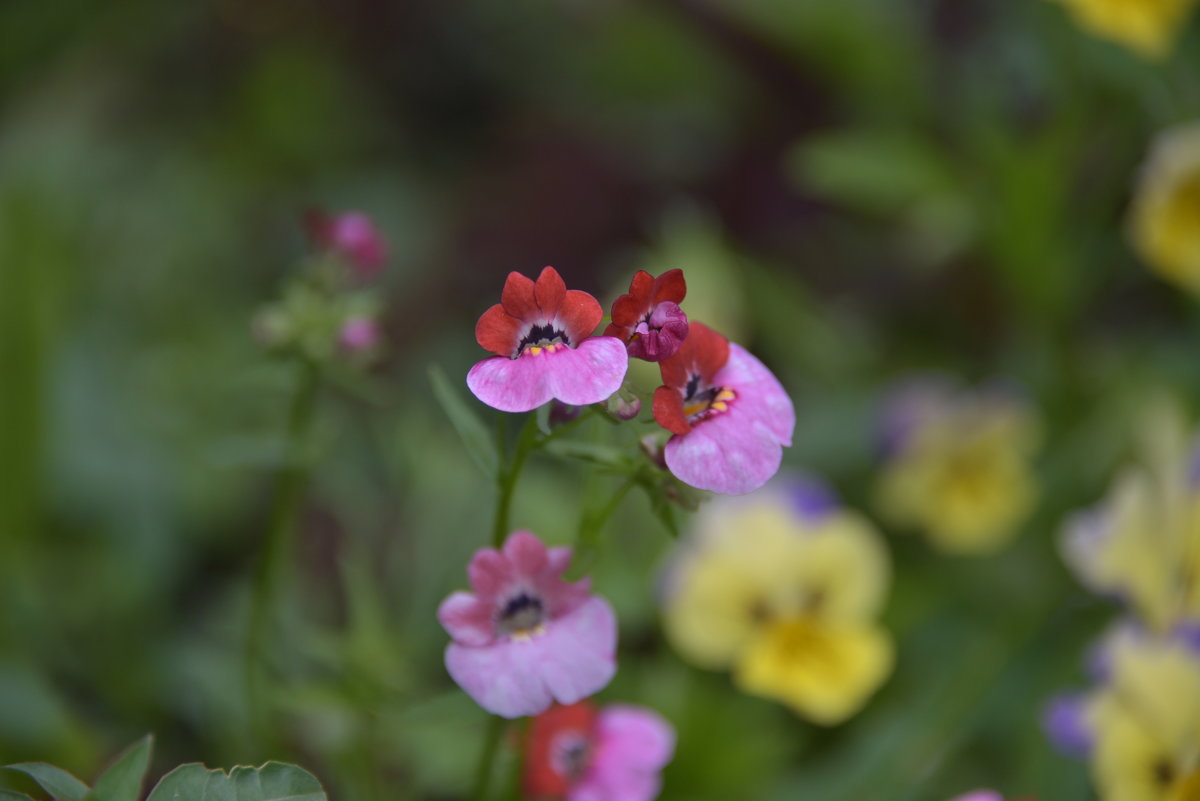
648,318
541,335
358,334
579,753
351,235
980,795
526,638
730,416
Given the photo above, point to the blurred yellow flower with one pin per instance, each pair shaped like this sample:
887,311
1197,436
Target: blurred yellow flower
1146,721
1147,27
957,466
1142,543
1164,221
784,588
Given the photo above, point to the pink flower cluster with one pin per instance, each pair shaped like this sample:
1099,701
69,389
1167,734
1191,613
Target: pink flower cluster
729,417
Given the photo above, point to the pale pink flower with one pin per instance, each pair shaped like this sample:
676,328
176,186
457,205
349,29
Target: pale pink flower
526,638
358,334
353,236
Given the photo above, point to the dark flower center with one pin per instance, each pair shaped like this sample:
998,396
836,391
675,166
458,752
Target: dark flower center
701,402
542,336
521,614
570,754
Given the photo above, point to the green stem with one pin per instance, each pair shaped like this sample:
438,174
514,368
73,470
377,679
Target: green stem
290,485
487,758
527,442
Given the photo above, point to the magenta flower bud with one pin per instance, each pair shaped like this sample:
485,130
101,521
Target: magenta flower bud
659,336
352,236
627,409
358,334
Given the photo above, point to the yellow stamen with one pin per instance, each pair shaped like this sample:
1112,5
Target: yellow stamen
720,406
725,395
534,350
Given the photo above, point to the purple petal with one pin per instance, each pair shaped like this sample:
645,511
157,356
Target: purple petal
732,453
759,393
511,385
573,659
1187,634
467,620
1065,722
812,498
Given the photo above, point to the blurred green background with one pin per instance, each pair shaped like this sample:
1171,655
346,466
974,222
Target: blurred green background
855,189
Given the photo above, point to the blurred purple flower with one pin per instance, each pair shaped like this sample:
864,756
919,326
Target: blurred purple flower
1065,724
351,235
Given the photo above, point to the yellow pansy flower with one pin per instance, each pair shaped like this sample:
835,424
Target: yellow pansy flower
1146,721
784,588
1147,27
958,466
1164,218
1142,543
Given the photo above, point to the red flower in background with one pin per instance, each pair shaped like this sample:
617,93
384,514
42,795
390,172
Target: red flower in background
649,319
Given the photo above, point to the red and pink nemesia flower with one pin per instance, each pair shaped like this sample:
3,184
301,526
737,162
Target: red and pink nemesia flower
580,753
541,335
730,416
649,319
351,235
526,638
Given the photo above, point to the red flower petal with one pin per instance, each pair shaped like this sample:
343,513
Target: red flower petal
518,298
629,308
669,286
704,351
549,291
498,331
614,330
579,315
668,410
541,777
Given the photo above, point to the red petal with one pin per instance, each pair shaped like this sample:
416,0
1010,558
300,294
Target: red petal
632,306
579,315
540,779
668,410
669,286
517,297
497,331
614,330
704,351
549,291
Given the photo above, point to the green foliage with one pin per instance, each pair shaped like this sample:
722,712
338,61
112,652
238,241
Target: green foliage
274,781
55,781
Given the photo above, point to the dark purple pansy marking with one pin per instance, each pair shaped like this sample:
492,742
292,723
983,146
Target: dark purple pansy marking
811,498
1065,724
1188,635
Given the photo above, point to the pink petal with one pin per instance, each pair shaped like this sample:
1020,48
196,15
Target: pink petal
732,453
467,620
590,373
980,795
490,573
511,385
759,392
632,746
573,659
526,553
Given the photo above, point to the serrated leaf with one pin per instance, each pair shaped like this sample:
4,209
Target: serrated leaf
471,430
123,779
274,781
55,781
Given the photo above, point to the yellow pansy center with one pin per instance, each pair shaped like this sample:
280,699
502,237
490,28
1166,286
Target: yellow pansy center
1186,788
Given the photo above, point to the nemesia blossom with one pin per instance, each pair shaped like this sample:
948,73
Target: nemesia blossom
358,334
541,335
1164,217
648,318
979,795
526,637
957,465
784,587
581,753
351,235
730,417
1147,27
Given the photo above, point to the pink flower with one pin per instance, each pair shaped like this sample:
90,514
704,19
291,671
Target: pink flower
527,638
580,754
540,335
730,416
980,795
648,318
351,235
358,334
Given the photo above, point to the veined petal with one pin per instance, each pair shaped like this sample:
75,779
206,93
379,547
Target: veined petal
759,392
512,385
588,374
732,453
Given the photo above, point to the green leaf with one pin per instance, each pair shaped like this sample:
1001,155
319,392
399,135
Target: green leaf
9,795
274,781
55,781
594,452
123,779
470,428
